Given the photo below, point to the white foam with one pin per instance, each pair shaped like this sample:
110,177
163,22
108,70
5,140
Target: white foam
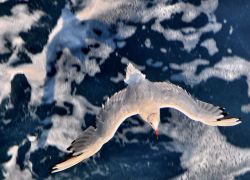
189,40
97,8
245,108
228,69
188,71
31,138
231,30
210,45
206,152
136,11
229,50
120,77
121,44
163,50
59,135
220,159
70,33
148,43
35,73
21,20
189,36
12,170
126,61
125,31
156,64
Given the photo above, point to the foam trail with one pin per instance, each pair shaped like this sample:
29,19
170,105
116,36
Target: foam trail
161,11
69,29
210,45
206,152
227,161
228,69
11,26
96,8
21,20
12,170
59,135
76,31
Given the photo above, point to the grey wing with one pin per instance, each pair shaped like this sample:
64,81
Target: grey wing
88,138
113,113
175,97
117,109
82,148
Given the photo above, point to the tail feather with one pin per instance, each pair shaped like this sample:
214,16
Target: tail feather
133,75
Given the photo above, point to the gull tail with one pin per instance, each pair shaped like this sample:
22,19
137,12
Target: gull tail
133,75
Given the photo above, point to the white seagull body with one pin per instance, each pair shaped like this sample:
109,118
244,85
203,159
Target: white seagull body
145,98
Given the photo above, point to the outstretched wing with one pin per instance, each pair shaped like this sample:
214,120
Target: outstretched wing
175,97
85,146
116,109
84,141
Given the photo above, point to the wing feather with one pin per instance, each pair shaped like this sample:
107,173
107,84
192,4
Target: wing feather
116,109
175,97
85,146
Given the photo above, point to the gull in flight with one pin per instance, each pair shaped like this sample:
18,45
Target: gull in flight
145,98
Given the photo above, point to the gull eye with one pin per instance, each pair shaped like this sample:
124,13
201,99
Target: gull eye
151,123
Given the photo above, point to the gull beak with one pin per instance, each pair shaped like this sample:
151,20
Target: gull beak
156,133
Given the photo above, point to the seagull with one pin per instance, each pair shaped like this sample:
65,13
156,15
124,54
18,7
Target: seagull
144,98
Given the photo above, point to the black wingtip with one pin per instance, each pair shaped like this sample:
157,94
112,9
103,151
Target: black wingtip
52,169
224,113
73,141
69,148
222,108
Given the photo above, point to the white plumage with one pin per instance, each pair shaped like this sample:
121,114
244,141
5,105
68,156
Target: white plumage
144,98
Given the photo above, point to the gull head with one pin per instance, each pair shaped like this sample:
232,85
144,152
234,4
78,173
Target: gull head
154,120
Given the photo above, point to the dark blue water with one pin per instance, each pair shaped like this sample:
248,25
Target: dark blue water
128,161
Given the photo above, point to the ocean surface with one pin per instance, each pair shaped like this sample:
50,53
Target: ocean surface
60,60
